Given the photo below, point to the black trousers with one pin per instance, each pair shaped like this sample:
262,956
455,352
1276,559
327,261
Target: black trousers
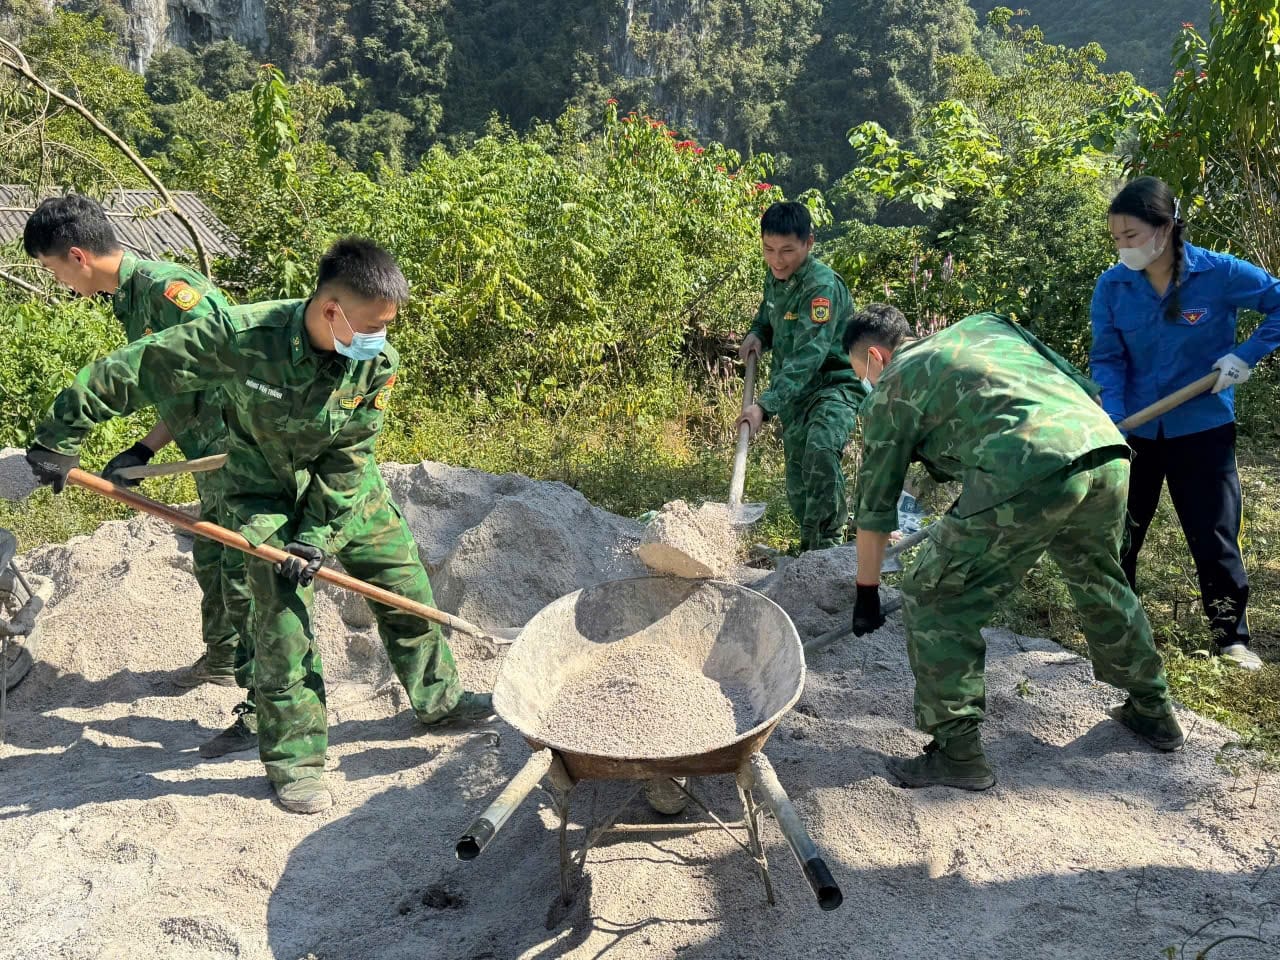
1205,489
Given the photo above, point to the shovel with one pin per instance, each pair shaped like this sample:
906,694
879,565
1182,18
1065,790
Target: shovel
229,538
743,514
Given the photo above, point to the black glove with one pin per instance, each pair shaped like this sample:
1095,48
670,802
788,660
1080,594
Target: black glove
866,611
51,468
139,455
301,568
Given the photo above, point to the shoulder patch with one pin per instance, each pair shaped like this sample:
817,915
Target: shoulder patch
820,310
384,395
182,295
350,403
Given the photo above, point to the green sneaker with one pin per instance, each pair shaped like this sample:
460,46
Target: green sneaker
1163,732
470,708
241,735
308,795
203,672
958,763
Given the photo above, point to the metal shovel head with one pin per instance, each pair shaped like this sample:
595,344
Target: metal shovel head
740,515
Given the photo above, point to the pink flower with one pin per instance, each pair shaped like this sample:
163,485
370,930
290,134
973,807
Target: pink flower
764,186
612,102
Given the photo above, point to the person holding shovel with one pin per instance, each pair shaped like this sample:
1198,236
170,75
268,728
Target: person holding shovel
1162,318
1042,468
812,392
307,383
73,239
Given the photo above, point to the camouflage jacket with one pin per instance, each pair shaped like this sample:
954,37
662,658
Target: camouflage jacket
984,402
155,295
301,423
802,320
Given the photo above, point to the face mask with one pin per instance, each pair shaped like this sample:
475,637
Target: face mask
1139,258
363,346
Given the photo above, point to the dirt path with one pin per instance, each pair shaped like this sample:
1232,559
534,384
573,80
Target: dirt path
118,841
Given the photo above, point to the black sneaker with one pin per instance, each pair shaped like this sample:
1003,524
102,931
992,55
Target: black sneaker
470,708
240,736
1163,732
202,672
935,768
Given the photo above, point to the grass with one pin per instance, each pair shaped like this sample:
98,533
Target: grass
630,466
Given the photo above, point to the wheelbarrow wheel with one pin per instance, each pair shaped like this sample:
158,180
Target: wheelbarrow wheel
665,797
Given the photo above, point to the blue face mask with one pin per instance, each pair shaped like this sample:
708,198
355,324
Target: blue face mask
363,346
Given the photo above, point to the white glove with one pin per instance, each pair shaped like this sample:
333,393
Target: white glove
1232,371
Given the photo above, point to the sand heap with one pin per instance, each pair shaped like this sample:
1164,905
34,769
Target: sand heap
117,840
682,541
16,479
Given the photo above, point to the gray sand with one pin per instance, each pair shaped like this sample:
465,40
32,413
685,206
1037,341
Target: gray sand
117,840
685,542
639,700
16,479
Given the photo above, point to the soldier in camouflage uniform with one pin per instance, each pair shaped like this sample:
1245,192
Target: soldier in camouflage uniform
1043,469
72,238
307,383
812,391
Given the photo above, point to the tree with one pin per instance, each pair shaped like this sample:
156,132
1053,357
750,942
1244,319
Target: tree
1216,140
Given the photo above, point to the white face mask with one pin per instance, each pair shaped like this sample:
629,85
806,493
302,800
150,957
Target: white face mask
1139,258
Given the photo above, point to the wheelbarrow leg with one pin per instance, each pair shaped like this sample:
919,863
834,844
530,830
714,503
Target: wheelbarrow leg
561,785
751,817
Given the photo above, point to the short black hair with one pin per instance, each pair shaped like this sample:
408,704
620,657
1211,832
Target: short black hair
787,218
60,223
880,324
365,269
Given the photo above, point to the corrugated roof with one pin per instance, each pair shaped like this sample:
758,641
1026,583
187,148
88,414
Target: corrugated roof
140,221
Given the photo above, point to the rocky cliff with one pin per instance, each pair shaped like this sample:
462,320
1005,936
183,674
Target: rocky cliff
157,24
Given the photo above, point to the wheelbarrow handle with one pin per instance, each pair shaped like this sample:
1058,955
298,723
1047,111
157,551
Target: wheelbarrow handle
486,826
762,777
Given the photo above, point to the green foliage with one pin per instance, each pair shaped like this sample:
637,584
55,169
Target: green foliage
1011,175
1136,35
1217,139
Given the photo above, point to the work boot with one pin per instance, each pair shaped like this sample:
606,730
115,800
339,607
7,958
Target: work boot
308,795
1162,731
202,671
959,762
470,708
1239,655
240,736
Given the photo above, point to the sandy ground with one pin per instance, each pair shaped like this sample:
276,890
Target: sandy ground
118,841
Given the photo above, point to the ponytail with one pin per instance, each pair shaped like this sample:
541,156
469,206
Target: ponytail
1174,310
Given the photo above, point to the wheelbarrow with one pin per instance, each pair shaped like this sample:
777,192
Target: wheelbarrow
732,635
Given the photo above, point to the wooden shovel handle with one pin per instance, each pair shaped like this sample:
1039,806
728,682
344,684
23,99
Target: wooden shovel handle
738,480
229,538
1166,404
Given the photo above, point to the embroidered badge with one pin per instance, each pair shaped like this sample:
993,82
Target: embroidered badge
183,295
791,316
1195,316
380,401
820,310
350,403
264,388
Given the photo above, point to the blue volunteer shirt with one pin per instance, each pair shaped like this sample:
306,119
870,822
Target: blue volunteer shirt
1139,356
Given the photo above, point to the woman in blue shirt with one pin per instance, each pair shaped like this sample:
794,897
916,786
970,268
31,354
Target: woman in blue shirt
1163,317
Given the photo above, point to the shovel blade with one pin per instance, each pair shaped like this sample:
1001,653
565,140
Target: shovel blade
740,514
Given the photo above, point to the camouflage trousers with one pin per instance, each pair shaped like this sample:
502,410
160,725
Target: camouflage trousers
970,564
219,571
280,665
813,442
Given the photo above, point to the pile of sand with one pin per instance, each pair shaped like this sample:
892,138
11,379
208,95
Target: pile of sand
637,700
693,543
16,479
117,840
